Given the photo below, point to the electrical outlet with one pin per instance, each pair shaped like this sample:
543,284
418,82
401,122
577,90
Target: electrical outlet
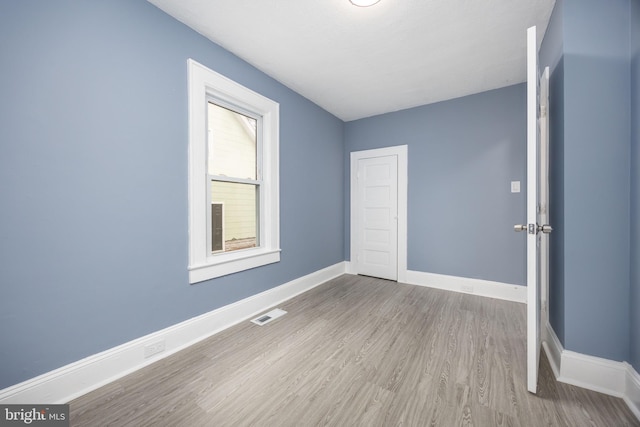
153,349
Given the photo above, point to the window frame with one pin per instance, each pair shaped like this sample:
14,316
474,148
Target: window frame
204,85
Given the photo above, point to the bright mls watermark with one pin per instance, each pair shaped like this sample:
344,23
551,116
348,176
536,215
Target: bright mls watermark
34,415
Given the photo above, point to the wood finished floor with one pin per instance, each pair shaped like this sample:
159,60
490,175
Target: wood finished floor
356,351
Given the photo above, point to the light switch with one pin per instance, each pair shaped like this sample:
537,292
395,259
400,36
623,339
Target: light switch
515,186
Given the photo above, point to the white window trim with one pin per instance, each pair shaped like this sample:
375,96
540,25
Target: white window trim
203,265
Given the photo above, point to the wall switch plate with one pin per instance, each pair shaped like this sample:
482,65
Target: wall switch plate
515,186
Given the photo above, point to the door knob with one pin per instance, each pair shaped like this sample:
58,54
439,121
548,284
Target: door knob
546,229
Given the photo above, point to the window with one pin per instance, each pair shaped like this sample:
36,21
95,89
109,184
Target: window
233,176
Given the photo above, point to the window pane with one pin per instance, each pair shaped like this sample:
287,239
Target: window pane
231,143
238,204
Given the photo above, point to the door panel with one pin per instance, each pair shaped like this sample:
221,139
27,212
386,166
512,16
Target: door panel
533,294
377,204
536,227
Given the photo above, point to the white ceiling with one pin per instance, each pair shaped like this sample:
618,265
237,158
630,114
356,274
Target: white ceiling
358,62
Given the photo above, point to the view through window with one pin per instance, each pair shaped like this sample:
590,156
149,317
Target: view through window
234,179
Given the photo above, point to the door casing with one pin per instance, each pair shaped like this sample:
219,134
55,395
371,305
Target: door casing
401,151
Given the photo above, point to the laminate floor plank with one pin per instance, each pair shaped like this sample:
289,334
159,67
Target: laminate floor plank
356,351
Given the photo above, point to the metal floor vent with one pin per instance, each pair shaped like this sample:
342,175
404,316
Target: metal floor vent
268,317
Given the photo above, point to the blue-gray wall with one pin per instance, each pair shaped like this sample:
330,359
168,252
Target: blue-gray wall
590,129
597,177
635,184
463,154
93,180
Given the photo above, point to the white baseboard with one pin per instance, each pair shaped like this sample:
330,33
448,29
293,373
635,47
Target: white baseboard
553,348
73,380
632,394
606,376
484,288
349,268
593,373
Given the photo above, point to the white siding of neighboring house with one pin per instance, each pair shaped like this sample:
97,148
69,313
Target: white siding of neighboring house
239,208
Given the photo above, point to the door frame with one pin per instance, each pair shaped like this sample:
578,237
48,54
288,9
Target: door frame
544,201
401,152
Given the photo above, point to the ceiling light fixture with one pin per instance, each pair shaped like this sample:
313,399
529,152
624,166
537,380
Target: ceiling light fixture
364,3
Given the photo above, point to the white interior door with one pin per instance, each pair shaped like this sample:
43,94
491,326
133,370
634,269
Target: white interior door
537,206
378,230
377,211
533,285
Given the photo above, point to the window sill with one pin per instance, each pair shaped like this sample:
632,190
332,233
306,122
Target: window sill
223,264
